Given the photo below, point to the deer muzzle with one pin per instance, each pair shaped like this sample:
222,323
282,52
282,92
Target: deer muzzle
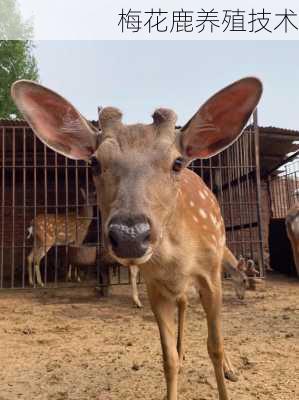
129,237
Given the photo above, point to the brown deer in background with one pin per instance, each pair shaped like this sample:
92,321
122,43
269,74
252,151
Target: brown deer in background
49,230
292,228
155,212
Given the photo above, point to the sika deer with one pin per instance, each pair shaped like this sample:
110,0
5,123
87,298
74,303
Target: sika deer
292,228
237,270
156,213
60,230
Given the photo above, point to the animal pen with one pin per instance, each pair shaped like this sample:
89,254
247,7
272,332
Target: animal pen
38,184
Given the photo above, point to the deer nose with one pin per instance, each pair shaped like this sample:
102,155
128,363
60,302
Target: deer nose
129,237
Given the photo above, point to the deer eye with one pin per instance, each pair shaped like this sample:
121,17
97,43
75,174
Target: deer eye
178,164
95,166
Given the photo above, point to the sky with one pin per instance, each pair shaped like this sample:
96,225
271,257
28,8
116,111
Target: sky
140,76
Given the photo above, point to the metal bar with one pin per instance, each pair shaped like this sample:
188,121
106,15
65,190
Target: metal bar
77,197
238,190
230,196
247,187
56,215
45,216
34,207
3,212
230,228
24,209
13,207
66,209
258,188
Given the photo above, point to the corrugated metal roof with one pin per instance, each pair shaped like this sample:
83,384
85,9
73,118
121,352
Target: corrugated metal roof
276,144
13,122
23,122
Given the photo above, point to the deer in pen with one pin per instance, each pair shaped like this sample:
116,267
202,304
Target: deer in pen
49,230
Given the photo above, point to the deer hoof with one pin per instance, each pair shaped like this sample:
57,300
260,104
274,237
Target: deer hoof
181,365
138,303
230,376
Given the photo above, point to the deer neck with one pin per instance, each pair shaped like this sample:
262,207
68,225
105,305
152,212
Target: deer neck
196,219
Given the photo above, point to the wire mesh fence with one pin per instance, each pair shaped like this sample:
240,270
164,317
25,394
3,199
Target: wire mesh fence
48,208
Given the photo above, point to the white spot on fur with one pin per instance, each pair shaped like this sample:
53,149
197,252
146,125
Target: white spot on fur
202,195
195,219
213,247
214,238
191,204
214,219
204,227
202,213
218,225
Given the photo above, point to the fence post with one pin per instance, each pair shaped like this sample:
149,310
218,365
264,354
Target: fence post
258,188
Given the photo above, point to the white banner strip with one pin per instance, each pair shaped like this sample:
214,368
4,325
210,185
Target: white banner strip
152,20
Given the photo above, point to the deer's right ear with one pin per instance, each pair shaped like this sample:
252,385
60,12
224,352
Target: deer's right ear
55,121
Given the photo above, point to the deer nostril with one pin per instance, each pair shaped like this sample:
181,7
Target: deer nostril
113,237
147,237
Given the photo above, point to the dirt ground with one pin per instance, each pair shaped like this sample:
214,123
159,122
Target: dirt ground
73,346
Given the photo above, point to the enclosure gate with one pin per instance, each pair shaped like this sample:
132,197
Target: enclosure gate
41,189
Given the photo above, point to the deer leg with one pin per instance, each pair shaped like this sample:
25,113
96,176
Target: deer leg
40,253
164,311
38,275
295,248
30,262
77,274
211,298
182,306
133,274
69,274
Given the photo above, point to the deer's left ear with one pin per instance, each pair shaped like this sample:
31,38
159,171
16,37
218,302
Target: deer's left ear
220,121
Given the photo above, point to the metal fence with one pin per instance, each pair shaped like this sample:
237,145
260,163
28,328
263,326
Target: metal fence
284,189
41,189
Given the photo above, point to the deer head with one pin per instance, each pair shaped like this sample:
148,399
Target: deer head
137,168
251,269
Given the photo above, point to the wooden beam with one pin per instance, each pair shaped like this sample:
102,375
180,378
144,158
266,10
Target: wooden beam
278,136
